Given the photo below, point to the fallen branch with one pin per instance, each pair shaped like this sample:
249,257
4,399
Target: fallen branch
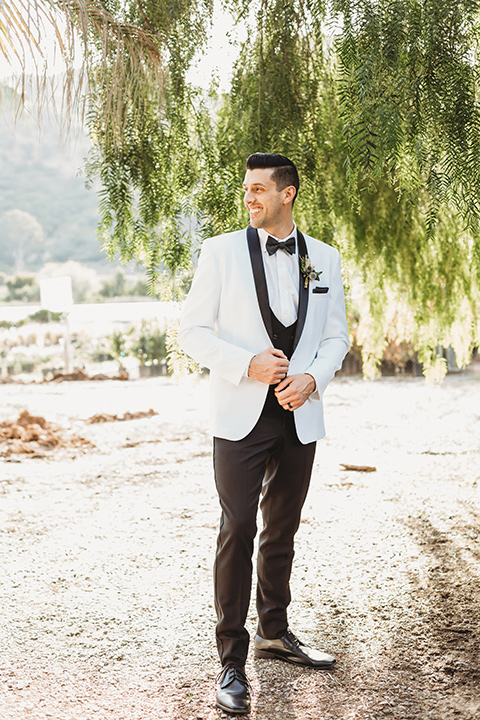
359,468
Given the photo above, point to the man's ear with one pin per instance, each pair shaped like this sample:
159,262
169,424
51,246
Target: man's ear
288,194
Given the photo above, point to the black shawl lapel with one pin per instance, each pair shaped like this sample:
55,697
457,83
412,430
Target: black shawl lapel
259,277
302,291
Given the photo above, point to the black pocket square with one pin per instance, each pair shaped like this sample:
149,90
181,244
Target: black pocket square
320,290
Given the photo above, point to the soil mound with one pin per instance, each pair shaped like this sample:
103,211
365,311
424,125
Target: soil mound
105,417
82,375
33,435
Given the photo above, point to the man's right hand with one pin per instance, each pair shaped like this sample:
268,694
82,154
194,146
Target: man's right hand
269,366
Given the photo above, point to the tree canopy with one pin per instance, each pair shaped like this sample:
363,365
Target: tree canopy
376,102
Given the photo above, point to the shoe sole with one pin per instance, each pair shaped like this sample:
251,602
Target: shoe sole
229,710
264,654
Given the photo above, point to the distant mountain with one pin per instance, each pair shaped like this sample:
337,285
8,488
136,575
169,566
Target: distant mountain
39,175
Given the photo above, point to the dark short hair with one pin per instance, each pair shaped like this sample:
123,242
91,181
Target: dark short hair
284,170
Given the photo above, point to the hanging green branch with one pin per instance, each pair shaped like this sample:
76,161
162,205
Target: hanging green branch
147,163
409,88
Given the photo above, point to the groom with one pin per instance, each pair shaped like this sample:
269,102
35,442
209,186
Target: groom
266,315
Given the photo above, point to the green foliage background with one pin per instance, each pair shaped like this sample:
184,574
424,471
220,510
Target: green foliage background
377,103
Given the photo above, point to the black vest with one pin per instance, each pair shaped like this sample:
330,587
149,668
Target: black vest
282,339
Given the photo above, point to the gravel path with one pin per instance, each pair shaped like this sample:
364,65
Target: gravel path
106,608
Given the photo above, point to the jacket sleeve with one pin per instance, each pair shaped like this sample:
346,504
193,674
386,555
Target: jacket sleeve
334,343
197,336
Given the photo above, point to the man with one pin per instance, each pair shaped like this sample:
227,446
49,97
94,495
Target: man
266,315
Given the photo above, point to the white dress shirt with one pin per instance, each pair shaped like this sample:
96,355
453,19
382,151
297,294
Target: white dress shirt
282,276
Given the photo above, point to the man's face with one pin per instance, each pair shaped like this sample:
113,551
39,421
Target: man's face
264,202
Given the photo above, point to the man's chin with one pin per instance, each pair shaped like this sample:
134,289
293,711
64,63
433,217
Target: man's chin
255,222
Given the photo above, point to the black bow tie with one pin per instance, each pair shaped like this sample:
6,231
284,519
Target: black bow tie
274,245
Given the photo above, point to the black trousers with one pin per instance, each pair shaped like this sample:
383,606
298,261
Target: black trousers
270,461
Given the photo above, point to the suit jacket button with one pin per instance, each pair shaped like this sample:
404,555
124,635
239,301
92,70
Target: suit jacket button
275,336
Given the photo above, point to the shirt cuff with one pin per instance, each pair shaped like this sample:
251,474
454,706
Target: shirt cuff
245,372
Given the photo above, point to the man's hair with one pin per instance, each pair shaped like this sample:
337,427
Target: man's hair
284,170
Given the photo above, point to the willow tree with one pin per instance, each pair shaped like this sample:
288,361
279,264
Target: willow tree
377,102
408,88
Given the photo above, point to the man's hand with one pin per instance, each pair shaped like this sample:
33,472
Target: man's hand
269,366
294,390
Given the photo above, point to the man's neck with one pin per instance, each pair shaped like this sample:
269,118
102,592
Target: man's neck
281,231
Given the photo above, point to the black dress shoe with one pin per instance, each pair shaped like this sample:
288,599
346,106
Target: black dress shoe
291,649
233,692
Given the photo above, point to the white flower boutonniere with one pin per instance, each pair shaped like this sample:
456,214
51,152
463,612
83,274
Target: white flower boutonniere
308,270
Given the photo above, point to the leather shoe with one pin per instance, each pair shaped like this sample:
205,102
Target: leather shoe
233,691
291,649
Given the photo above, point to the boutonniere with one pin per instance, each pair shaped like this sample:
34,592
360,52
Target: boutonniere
308,270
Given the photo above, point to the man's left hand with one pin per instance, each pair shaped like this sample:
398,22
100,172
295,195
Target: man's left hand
294,390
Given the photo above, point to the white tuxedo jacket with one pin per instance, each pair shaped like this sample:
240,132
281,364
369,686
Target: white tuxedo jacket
226,320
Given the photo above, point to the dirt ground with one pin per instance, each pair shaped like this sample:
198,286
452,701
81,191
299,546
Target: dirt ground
107,545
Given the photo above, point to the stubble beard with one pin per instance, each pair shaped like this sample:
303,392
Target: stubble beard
257,221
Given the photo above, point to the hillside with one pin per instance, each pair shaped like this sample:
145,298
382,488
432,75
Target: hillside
39,175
